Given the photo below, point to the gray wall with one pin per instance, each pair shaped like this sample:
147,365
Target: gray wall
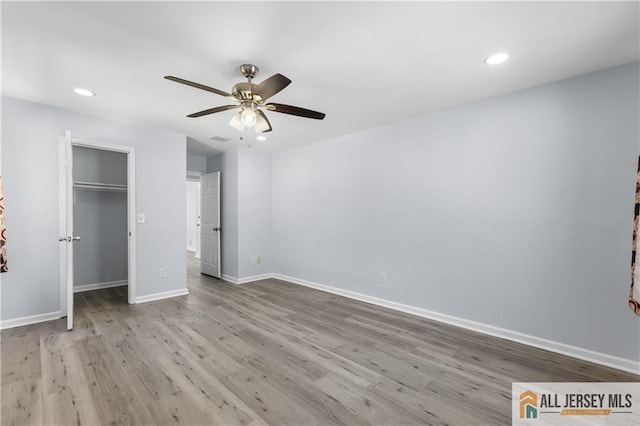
246,210
30,179
227,164
254,212
515,211
100,217
195,163
98,165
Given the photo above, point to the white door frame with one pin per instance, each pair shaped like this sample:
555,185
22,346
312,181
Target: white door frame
66,190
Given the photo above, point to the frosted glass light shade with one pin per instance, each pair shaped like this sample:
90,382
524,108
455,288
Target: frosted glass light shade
236,122
249,117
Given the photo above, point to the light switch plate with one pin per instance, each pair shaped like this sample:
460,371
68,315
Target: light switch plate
141,218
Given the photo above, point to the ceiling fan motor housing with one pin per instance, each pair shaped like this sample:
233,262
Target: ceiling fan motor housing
243,91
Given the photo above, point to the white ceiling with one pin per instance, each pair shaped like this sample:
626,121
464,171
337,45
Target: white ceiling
365,64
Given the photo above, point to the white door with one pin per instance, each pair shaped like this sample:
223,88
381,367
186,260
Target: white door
198,220
66,238
210,224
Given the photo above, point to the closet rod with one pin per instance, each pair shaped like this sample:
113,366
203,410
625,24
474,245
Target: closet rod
99,186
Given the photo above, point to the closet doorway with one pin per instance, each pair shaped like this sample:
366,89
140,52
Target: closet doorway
97,219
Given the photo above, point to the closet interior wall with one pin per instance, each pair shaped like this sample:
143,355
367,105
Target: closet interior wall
100,218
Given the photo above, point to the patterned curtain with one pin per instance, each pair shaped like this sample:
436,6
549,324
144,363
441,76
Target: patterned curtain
3,235
634,293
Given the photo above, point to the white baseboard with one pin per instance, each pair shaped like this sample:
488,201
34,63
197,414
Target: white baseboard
623,364
245,280
98,286
163,295
33,319
229,278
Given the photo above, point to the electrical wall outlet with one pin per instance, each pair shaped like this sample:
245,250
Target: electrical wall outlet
163,272
356,277
383,277
254,260
258,260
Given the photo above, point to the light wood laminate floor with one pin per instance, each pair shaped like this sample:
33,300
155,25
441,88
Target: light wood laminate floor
264,353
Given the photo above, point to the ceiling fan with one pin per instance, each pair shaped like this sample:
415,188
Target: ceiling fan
250,98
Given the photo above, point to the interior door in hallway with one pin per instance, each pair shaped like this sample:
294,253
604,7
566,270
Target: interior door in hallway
210,224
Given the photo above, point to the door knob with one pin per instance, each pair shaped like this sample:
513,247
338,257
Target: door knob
75,238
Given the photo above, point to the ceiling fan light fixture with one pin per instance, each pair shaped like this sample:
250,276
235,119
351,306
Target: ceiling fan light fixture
236,122
262,124
249,117
497,58
261,138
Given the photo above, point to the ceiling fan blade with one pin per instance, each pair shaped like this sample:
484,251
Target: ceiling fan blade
213,110
294,110
271,86
197,85
262,124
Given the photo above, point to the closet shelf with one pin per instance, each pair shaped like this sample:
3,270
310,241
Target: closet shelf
95,186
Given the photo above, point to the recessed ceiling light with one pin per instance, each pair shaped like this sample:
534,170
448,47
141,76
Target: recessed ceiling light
496,59
261,138
83,92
